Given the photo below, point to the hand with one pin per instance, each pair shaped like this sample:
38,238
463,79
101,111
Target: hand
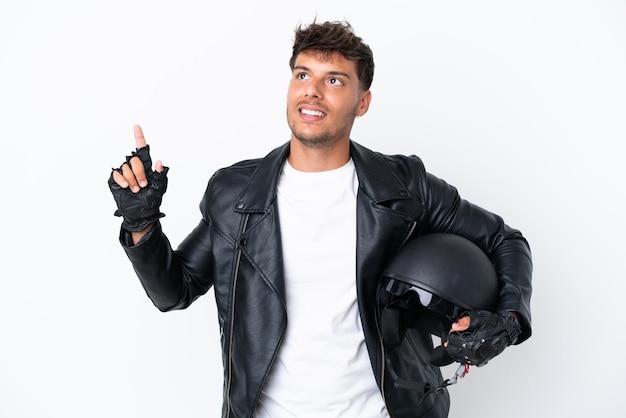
461,324
479,336
137,189
132,174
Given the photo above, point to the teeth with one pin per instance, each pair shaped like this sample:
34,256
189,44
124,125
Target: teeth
312,112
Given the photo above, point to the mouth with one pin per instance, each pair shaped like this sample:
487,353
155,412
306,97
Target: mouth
312,113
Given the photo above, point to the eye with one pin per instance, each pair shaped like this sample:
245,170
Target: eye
302,76
335,82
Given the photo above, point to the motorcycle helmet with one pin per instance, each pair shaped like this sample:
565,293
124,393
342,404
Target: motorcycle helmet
431,281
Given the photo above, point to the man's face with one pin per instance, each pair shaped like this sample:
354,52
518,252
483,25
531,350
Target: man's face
323,99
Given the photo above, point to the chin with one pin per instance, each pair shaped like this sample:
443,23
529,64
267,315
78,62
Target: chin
314,141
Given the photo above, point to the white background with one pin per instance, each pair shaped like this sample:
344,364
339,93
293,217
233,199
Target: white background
521,105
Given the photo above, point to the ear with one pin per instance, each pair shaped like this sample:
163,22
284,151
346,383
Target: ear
364,103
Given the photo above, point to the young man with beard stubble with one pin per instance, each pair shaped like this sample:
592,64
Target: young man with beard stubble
294,245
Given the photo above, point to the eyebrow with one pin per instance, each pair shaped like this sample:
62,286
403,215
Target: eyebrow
335,73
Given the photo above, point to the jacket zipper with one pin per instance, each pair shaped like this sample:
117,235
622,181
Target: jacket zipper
382,353
380,338
232,317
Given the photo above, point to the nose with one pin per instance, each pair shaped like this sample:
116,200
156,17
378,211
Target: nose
313,90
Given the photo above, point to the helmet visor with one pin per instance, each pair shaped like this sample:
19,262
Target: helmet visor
424,299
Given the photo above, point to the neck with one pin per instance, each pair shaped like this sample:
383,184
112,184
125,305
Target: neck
308,159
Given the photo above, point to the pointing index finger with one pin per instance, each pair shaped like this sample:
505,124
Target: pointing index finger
139,139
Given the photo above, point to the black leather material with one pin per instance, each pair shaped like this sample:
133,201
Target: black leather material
236,249
487,336
140,209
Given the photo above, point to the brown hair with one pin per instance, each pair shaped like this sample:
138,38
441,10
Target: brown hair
329,37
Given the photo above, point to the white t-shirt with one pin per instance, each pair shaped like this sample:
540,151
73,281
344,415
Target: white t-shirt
323,368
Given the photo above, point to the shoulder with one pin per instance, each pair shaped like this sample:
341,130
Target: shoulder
236,172
380,167
369,156
251,181
245,170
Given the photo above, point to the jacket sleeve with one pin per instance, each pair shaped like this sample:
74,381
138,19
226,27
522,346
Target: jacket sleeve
506,247
171,279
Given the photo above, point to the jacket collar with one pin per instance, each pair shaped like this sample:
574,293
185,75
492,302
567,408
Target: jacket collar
376,179
260,192
375,176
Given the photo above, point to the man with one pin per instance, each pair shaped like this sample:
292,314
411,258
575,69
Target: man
294,245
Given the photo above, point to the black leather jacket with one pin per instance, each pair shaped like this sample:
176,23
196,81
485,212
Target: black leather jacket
236,248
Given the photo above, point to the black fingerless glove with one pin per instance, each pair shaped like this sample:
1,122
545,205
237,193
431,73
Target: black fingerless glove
487,336
140,209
